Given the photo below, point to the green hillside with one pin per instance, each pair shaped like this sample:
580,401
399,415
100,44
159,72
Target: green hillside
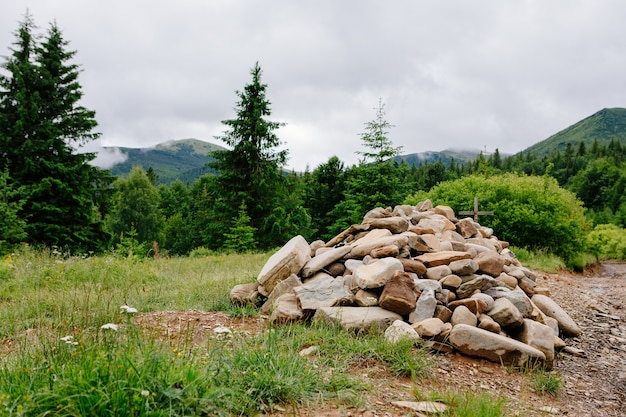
177,159
602,126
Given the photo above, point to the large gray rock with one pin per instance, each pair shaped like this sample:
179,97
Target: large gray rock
463,267
376,274
506,314
286,309
479,343
324,259
540,337
551,309
424,308
358,318
521,301
283,287
323,291
481,283
243,294
401,330
287,261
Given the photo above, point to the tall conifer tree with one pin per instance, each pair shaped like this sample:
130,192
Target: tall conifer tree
250,172
41,126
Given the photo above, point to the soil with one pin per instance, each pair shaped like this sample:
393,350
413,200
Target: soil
592,367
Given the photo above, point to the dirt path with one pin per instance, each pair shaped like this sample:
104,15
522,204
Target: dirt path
595,383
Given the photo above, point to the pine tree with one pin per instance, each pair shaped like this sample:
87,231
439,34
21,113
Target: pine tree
375,138
376,181
250,172
11,225
41,125
240,238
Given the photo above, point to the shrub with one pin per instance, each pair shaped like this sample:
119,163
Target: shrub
607,241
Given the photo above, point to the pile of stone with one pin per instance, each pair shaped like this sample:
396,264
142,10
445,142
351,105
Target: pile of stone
417,272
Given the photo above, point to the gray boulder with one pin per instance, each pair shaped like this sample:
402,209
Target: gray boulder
479,343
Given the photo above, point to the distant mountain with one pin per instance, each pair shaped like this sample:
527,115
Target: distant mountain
602,126
184,159
444,156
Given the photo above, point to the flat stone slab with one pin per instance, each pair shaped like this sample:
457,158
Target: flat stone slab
358,318
322,260
287,261
442,258
479,343
551,309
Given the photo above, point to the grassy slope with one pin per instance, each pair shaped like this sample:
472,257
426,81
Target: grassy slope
603,126
183,159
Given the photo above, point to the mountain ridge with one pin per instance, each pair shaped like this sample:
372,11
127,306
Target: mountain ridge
186,159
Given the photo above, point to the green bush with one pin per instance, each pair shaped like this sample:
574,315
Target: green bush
607,241
529,211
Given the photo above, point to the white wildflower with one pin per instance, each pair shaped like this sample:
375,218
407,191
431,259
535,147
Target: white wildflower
67,338
110,326
145,393
222,331
128,309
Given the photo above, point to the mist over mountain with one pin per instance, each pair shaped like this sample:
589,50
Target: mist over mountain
186,159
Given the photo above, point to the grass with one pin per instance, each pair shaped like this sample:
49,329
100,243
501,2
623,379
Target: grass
546,382
539,260
57,359
466,403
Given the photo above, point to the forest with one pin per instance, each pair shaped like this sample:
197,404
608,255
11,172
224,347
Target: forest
568,202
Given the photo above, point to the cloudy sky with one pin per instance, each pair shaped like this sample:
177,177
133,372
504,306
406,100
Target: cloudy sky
452,74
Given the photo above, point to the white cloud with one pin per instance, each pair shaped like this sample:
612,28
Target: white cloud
452,73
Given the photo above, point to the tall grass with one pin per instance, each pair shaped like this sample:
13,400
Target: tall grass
57,359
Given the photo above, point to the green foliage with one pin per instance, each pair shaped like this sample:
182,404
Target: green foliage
250,172
323,188
371,184
240,239
541,260
607,241
135,206
532,212
546,382
466,403
11,225
375,139
41,123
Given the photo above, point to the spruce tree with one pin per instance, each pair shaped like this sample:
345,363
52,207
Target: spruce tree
250,171
41,126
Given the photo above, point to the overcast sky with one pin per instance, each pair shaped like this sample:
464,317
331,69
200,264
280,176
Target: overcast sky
452,74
